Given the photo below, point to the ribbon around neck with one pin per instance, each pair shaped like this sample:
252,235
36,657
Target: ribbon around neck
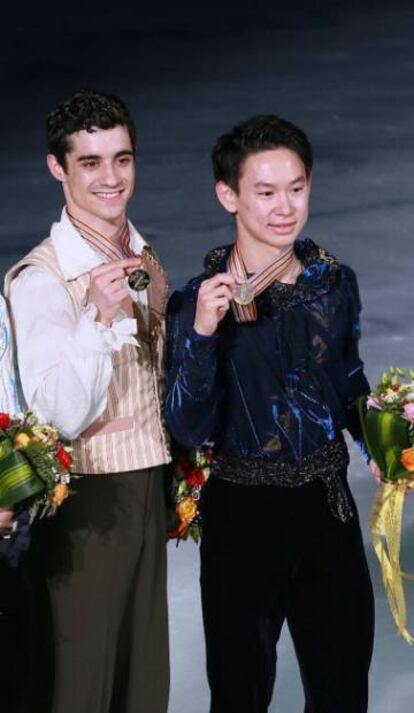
243,304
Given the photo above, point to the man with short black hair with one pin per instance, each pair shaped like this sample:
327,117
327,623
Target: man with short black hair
88,308
263,362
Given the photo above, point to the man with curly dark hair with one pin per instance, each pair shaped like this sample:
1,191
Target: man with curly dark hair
88,309
263,362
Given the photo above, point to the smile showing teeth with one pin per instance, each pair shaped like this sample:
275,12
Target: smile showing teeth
105,194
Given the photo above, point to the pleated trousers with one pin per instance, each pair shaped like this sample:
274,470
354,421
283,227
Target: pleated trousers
270,555
105,554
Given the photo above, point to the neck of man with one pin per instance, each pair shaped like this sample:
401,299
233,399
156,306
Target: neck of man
110,229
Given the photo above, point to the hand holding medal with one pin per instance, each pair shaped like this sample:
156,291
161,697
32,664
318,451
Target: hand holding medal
214,298
108,286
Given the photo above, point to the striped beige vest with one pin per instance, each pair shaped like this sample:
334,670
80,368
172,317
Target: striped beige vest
129,435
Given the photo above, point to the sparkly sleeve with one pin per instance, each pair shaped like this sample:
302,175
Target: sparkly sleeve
192,396
356,379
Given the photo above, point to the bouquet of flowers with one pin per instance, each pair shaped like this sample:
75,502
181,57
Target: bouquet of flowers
192,469
387,419
34,465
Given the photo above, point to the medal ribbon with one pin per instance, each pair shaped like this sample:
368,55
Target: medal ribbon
116,249
257,283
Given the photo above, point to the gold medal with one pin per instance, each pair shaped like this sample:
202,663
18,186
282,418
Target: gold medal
243,293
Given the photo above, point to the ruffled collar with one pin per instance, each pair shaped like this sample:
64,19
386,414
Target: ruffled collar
319,274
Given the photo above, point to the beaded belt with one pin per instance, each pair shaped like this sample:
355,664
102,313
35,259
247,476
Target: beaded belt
325,464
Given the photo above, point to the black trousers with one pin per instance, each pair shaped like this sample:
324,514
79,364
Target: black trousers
271,554
26,643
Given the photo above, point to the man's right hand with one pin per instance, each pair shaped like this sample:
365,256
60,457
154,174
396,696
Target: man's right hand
213,301
108,287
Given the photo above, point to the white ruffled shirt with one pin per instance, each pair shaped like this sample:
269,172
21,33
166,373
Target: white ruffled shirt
65,358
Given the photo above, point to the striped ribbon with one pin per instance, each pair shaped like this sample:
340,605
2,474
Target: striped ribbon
257,282
116,248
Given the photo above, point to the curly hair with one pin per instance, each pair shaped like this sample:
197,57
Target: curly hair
259,133
85,110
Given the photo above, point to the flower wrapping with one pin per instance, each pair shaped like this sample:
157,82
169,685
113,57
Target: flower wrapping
34,465
387,420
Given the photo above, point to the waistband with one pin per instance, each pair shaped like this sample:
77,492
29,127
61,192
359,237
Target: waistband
325,464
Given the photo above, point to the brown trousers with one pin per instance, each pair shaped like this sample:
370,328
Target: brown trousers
106,560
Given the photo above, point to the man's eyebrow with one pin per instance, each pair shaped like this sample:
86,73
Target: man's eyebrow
96,157
88,157
124,152
266,184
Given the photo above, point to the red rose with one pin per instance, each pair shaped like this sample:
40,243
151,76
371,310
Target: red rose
64,458
195,477
4,420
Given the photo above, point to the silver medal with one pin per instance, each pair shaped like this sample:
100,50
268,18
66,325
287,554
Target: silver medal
243,293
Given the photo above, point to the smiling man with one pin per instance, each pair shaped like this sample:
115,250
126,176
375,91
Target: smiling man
263,362
88,308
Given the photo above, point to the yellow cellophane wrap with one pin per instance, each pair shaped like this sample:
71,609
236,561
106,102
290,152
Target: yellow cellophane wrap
385,526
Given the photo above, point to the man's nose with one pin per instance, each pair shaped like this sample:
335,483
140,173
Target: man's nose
109,174
283,204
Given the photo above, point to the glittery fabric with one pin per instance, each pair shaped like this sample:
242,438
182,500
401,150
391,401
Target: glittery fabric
325,464
277,389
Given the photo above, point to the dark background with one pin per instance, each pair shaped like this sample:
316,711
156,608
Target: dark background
345,73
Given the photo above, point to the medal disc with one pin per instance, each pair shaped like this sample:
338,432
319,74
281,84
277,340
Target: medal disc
243,294
139,280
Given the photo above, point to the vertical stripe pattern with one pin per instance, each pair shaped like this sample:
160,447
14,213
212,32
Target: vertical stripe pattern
129,435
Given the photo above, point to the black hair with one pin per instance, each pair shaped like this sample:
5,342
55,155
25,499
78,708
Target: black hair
259,133
85,110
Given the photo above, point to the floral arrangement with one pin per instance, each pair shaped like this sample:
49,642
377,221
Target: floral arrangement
191,472
387,420
34,465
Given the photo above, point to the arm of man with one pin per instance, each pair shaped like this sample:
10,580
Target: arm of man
358,383
64,358
193,391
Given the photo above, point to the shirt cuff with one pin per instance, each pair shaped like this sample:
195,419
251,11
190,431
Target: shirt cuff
95,336
194,336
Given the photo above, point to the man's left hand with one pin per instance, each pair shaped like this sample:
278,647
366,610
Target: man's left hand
6,521
375,470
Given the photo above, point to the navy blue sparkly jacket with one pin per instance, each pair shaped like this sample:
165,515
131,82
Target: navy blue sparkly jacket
278,388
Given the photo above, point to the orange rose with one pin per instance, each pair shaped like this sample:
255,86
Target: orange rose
186,510
407,459
60,492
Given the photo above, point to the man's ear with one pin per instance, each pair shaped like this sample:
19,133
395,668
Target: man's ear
55,168
227,197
